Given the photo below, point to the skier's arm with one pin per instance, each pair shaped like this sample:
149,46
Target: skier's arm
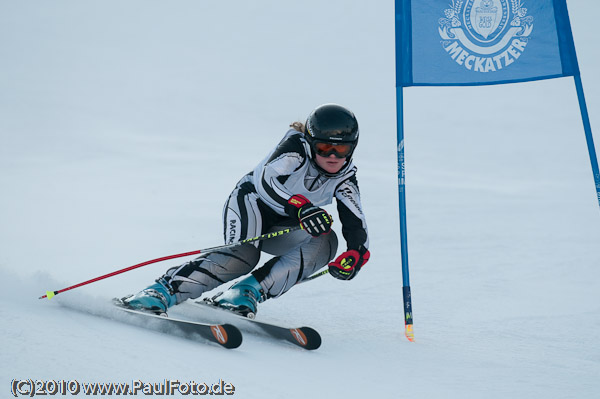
354,224
354,229
285,160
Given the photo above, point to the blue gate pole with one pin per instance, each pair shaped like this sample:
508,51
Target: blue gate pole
408,318
587,127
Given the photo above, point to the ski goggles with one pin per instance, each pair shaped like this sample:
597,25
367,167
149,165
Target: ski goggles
341,150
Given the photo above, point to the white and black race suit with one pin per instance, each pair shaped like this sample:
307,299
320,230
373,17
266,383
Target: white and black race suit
257,205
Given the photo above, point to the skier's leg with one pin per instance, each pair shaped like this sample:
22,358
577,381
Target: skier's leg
281,273
192,279
242,218
298,260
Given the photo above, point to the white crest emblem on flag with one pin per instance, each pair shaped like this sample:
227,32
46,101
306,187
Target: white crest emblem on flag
485,18
485,35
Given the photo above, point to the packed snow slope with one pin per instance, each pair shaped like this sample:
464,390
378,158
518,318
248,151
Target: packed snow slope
125,125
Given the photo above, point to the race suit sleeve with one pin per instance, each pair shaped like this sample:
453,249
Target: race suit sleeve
288,157
354,225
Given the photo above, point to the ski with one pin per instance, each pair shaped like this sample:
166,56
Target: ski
304,337
226,335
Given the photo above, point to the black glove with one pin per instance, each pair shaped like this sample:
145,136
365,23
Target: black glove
348,264
314,220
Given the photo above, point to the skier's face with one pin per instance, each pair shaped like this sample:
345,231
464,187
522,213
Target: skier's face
330,164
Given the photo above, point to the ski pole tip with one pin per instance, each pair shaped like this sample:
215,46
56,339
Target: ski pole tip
49,295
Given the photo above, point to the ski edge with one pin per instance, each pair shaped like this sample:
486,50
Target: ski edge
226,335
304,337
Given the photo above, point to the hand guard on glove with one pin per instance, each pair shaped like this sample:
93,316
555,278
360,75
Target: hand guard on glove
314,220
348,264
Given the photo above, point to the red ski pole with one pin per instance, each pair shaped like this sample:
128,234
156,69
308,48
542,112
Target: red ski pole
50,294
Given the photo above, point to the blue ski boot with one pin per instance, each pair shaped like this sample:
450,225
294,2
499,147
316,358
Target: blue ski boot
156,298
243,297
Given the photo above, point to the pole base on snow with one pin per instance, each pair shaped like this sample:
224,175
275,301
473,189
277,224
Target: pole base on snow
408,331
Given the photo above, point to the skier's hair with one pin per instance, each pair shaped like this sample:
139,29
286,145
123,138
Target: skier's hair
299,126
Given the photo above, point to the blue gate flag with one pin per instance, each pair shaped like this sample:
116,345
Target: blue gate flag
478,42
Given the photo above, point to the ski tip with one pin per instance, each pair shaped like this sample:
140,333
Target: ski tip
227,335
408,331
306,337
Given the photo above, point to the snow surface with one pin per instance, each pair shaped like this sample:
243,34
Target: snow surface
125,125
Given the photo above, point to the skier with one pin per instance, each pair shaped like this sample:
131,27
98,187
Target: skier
311,165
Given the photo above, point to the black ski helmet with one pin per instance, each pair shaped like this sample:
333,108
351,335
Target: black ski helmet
332,123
